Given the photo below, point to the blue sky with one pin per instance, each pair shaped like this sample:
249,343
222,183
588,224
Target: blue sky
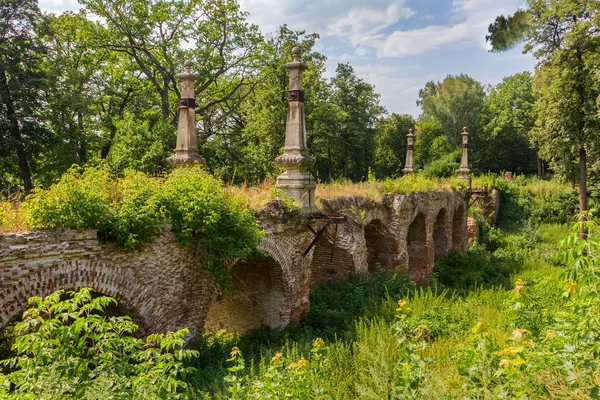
397,45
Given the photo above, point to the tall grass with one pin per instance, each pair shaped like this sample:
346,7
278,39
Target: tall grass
387,338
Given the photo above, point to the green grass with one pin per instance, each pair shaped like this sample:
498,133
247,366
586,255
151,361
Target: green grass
359,321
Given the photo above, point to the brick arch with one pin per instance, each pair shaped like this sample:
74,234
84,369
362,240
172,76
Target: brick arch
440,235
381,247
416,244
257,298
103,278
459,229
331,260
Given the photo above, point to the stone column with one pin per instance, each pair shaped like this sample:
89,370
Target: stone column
463,171
295,180
186,152
408,166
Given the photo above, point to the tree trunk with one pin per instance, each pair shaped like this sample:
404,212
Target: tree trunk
330,164
16,134
346,164
164,97
583,197
540,164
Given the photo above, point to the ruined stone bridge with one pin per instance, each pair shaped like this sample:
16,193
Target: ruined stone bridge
165,286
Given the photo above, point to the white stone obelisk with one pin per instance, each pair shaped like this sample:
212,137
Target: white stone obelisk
410,143
463,171
186,152
295,161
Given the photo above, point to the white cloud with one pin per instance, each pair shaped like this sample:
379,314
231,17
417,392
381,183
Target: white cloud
468,24
419,41
58,5
364,24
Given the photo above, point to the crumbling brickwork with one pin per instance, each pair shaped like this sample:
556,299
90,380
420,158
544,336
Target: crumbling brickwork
167,286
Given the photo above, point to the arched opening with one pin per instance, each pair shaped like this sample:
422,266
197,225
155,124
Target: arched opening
257,298
381,247
7,338
440,238
416,243
103,279
459,229
7,333
330,263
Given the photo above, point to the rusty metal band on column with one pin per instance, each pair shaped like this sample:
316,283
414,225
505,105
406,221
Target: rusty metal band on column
187,102
296,95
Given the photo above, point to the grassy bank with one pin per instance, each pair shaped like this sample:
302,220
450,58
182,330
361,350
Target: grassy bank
491,325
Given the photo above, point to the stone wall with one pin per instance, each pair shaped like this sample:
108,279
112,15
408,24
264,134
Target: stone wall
403,231
168,288
162,281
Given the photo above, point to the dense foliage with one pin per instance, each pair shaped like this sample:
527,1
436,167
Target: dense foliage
133,208
80,91
66,347
506,320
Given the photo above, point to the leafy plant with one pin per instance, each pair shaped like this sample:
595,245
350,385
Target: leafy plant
131,209
67,348
198,205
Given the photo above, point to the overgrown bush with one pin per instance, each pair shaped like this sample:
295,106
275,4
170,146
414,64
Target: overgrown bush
197,204
418,183
81,199
67,348
9,217
133,208
443,167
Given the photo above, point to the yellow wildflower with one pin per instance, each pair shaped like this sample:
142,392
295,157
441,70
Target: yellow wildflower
402,306
571,287
276,357
480,327
318,343
235,352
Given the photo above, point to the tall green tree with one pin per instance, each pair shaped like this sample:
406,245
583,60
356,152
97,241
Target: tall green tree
157,35
563,36
22,134
359,106
245,149
455,102
505,123
390,144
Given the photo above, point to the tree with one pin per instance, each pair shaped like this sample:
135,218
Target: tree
505,123
245,149
360,109
563,36
21,132
508,31
427,131
455,102
390,144
157,36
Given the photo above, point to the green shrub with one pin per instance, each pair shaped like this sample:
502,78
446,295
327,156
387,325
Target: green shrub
66,348
197,204
444,167
138,211
9,217
478,267
131,209
81,199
